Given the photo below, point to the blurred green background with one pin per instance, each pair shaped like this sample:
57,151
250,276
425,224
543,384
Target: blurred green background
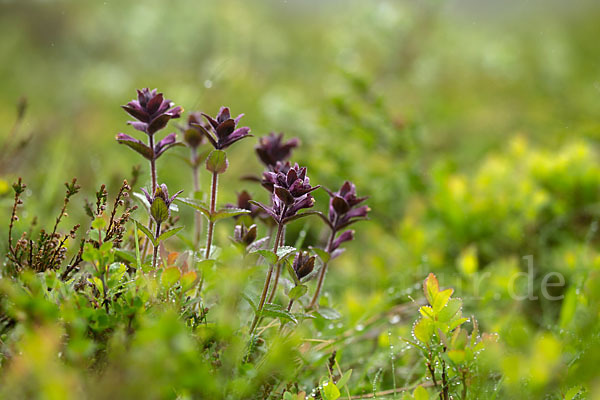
472,125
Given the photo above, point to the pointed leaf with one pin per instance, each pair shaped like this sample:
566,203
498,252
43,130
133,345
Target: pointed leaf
277,311
297,292
268,255
344,379
138,146
250,301
306,214
167,234
431,288
146,232
448,312
328,313
196,204
323,255
229,212
285,251
441,300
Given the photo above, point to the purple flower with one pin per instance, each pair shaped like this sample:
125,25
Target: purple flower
160,203
243,235
344,237
343,207
151,110
291,193
223,129
272,150
303,264
192,134
279,166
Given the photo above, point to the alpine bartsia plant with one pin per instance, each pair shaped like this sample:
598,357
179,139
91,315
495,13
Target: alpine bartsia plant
291,193
344,210
223,133
160,204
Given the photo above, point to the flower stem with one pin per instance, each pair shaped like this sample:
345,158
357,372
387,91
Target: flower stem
213,203
315,298
263,296
152,190
196,181
155,255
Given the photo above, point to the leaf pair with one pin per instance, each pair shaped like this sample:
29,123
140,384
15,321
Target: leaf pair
163,236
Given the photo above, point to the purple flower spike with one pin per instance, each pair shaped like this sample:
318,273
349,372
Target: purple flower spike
222,131
151,110
291,193
343,210
272,150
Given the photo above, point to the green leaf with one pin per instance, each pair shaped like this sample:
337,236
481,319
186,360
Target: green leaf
98,284
170,276
196,204
568,308
277,311
431,287
217,161
285,251
125,255
250,301
328,313
457,356
420,393
139,147
187,280
322,254
228,212
330,391
98,223
426,311
423,330
447,313
297,292
571,393
268,255
344,379
457,322
167,234
159,210
288,396
138,258
146,232
441,299
306,214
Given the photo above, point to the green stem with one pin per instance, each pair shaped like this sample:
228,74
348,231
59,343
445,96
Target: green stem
155,255
196,181
213,203
263,296
315,298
